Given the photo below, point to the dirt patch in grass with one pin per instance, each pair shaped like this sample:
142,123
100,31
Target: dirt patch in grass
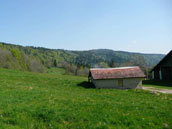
153,89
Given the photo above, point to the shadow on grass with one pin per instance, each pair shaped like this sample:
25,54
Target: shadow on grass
86,84
158,83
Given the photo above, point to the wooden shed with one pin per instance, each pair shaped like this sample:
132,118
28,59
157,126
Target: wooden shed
163,70
120,78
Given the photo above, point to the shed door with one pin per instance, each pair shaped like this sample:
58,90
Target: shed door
120,83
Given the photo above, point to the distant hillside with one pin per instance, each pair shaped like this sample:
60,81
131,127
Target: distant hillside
38,58
120,56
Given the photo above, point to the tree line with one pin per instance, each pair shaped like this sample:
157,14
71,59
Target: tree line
38,59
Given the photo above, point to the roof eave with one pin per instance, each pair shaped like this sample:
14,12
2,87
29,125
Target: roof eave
161,61
118,78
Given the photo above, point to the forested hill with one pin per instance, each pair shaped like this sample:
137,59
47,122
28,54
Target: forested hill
38,59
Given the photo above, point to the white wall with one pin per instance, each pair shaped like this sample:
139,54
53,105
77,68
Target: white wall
153,76
160,74
130,83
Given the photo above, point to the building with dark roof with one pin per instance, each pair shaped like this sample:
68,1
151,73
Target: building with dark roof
163,70
121,77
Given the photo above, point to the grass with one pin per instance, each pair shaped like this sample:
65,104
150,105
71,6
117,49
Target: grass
158,84
56,71
50,100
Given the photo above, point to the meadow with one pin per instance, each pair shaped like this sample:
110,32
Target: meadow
54,100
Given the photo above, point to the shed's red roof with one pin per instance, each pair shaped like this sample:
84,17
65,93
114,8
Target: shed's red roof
120,72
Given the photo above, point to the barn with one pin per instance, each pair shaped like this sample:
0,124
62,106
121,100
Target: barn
120,78
163,70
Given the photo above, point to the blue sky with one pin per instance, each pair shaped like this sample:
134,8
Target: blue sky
129,25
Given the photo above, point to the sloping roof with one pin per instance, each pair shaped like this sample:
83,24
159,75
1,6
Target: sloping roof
169,55
114,73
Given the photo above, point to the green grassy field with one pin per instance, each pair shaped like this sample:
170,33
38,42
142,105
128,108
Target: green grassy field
53,100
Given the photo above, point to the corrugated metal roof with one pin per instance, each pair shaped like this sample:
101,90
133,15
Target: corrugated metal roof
120,72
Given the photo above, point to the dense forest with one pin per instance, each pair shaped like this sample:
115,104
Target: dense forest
38,59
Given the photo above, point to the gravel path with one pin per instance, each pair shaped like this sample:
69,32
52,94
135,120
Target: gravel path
153,89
